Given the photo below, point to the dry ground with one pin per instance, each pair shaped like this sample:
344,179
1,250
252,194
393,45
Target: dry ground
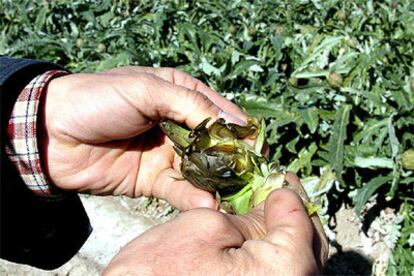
116,220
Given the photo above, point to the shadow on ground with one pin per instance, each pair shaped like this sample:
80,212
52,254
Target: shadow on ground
348,263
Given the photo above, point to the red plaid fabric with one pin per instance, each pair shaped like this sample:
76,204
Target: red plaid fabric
22,131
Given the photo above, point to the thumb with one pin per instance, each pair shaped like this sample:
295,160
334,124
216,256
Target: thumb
286,246
286,220
280,219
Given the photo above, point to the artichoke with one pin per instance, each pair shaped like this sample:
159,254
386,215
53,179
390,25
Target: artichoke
407,159
217,159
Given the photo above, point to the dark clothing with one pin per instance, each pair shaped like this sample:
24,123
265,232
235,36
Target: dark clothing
33,230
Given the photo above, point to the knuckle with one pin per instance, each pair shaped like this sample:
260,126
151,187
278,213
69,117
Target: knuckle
261,255
174,75
208,221
285,235
186,80
147,78
169,72
175,72
201,101
261,249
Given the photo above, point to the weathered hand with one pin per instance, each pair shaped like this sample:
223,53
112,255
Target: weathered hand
275,239
99,133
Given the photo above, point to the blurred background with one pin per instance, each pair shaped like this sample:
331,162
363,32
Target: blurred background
333,79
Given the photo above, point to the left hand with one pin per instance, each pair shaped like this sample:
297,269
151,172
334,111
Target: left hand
99,134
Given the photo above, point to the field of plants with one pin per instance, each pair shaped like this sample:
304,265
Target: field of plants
333,79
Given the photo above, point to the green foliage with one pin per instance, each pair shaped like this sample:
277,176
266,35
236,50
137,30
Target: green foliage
402,261
333,79
365,193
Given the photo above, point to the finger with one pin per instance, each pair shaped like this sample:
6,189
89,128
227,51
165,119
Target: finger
187,106
127,104
185,80
287,222
287,236
231,112
170,186
320,245
164,100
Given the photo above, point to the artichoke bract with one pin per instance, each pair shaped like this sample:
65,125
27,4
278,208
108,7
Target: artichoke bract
216,158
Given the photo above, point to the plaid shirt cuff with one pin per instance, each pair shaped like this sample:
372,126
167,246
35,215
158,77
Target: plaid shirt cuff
23,150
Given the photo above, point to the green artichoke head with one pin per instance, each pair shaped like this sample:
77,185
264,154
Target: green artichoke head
215,158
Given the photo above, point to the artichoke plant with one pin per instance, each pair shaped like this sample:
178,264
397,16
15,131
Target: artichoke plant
216,158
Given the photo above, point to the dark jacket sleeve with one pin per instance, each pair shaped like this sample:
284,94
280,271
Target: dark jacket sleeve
34,231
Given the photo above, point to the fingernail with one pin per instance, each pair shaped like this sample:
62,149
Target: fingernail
230,118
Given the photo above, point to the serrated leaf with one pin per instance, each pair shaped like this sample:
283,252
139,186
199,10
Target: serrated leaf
394,152
40,19
255,68
373,127
304,158
364,194
208,68
261,138
235,57
292,144
283,118
260,107
373,162
325,46
310,117
244,66
337,139
393,138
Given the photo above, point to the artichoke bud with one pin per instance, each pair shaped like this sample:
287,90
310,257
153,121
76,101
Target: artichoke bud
212,173
216,159
407,159
214,153
335,80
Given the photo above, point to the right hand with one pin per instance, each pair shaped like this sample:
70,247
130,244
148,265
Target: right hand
276,238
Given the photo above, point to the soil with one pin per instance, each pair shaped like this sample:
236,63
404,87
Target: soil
117,220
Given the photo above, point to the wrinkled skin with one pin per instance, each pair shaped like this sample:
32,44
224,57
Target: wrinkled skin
276,238
99,134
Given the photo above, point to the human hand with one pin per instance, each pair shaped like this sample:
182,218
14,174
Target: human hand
276,238
99,133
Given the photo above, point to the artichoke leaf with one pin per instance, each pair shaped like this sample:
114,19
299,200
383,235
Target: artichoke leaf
177,134
258,146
